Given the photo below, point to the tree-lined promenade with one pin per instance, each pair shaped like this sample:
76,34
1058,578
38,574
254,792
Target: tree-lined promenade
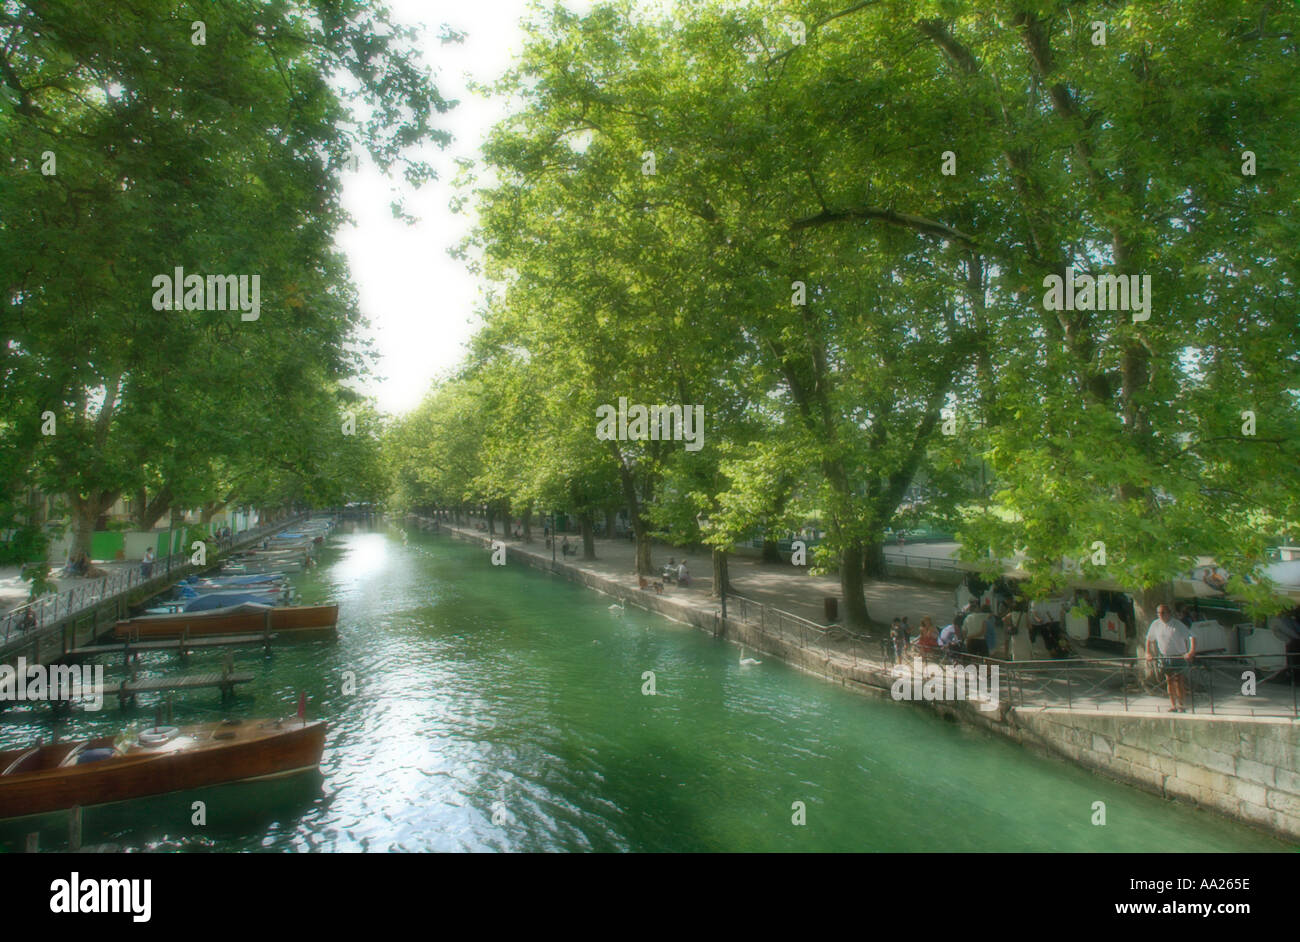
179,328
1037,262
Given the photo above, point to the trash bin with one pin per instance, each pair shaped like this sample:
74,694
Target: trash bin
831,605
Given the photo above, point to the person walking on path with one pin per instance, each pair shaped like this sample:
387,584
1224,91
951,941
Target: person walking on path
146,564
1169,640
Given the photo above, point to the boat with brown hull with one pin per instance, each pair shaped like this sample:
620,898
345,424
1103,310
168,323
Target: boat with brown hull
168,759
287,622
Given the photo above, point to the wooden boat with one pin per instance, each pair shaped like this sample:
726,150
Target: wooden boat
265,567
289,622
97,771
195,589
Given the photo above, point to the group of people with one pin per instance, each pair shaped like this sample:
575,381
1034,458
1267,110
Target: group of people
677,572
1170,647
974,630
673,572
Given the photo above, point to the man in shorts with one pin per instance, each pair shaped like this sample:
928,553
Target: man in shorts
1169,640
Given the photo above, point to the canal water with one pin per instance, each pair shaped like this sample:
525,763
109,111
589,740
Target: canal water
473,707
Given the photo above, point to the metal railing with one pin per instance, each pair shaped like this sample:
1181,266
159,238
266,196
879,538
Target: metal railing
1214,681
920,562
777,624
25,621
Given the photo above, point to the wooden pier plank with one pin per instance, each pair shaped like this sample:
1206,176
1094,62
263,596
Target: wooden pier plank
172,644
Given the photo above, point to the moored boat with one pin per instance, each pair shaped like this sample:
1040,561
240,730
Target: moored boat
263,568
289,622
47,778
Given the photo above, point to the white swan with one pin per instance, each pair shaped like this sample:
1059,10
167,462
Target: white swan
746,661
619,608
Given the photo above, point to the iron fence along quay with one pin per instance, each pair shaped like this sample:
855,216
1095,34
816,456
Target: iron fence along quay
1215,681
52,608
920,562
1214,686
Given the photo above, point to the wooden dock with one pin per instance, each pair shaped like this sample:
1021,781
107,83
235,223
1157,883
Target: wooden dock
182,646
127,690
72,627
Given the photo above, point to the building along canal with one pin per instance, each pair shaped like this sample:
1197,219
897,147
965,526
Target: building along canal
474,707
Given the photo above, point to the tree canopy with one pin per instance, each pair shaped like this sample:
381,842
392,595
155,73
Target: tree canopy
836,226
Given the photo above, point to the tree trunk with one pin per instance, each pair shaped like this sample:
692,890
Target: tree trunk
855,601
85,515
611,523
771,551
491,523
151,511
211,509
644,563
528,524
84,528
873,560
588,535
640,530
1145,603
721,581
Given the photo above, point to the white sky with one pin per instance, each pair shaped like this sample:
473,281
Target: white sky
419,300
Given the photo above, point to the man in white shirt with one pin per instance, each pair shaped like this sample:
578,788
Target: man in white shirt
1169,640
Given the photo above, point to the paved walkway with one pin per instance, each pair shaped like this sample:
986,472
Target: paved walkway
14,591
793,589
783,585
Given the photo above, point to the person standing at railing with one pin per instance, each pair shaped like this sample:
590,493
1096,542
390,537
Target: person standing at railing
146,564
898,635
1169,639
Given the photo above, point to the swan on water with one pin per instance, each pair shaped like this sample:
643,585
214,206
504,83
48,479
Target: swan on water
746,661
619,608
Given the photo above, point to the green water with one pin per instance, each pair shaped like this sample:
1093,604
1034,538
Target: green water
487,692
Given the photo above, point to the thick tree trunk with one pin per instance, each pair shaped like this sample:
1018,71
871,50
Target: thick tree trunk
83,521
86,513
771,551
150,511
721,581
611,523
873,560
644,562
588,525
1145,603
211,509
855,601
491,523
